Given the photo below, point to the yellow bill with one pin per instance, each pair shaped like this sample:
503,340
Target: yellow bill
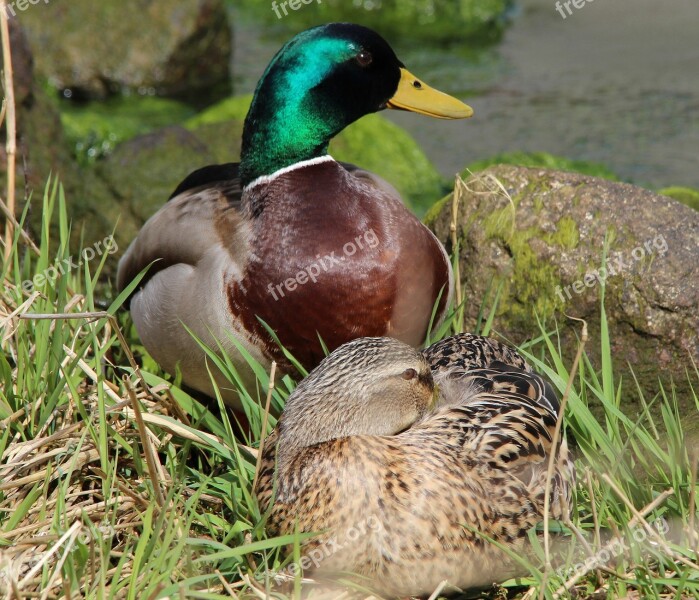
416,96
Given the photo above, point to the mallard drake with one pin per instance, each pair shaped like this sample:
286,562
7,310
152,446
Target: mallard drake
314,248
402,485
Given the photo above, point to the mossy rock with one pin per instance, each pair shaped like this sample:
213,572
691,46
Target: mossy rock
98,49
421,19
94,129
527,159
373,143
538,238
143,172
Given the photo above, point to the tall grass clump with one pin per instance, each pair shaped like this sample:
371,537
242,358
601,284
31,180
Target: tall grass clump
113,483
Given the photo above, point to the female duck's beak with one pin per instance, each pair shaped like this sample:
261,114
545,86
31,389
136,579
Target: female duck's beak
416,96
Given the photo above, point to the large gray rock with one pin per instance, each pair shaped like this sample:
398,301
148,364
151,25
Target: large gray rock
95,49
545,246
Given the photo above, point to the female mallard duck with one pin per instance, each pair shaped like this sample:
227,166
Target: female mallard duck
402,486
314,248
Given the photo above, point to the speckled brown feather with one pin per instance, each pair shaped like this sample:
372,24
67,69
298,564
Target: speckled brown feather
465,351
468,469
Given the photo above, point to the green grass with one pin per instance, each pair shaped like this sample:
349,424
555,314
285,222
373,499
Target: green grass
94,504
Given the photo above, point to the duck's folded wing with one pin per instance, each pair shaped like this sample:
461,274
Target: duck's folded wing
505,430
504,417
226,174
507,425
463,352
204,210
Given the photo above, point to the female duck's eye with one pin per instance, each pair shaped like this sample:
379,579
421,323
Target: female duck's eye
409,374
364,58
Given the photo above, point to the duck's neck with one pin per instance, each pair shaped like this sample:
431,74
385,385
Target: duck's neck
296,109
288,121
307,423
323,416
274,140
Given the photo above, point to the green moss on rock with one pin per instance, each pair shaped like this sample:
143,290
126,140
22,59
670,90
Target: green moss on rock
567,234
144,171
529,286
456,19
542,160
686,196
94,129
529,281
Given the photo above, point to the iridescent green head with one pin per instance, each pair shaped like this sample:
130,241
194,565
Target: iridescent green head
320,82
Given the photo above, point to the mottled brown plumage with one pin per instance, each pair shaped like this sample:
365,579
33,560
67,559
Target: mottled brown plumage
405,488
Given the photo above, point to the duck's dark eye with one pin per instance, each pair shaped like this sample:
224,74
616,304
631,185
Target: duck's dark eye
409,374
364,58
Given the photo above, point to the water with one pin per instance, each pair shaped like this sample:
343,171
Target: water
616,82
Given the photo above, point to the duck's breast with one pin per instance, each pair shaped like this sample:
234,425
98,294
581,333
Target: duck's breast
337,257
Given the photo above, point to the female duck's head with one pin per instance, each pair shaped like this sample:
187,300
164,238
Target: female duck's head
372,386
320,82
